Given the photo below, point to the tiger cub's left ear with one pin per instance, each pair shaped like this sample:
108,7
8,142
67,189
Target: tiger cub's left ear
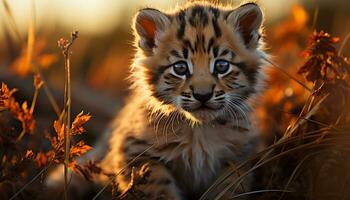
247,20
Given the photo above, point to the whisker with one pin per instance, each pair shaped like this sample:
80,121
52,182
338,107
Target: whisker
240,111
232,111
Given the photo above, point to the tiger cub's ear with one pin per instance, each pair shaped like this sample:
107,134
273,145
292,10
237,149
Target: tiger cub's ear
247,19
149,24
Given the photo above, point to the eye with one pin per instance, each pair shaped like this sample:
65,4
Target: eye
221,66
180,68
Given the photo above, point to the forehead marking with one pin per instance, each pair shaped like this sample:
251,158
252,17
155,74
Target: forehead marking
185,53
175,53
182,22
198,17
216,27
188,44
210,44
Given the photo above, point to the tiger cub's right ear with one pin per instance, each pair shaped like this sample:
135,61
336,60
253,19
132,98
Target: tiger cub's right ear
149,24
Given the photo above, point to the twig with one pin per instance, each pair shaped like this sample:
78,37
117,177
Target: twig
65,47
21,135
346,39
296,170
287,74
47,91
31,181
315,18
259,191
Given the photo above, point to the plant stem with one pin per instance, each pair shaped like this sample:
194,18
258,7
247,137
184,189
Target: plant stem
21,135
35,97
68,122
66,117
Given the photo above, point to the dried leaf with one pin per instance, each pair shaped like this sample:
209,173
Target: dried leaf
59,129
79,149
79,121
324,64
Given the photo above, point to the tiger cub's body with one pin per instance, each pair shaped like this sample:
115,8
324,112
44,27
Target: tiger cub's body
195,76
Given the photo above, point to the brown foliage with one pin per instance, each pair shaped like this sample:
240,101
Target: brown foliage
324,65
19,112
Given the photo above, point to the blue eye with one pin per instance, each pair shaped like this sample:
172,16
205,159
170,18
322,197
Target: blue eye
180,68
221,66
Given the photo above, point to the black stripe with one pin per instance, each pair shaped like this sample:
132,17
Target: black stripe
210,44
171,77
215,12
188,44
215,51
233,55
185,53
216,28
198,13
224,52
186,94
168,89
187,100
218,93
181,18
203,42
196,43
249,72
175,53
155,75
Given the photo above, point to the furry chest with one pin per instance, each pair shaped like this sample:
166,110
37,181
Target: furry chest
199,154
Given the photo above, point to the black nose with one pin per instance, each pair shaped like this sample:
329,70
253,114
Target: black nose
202,97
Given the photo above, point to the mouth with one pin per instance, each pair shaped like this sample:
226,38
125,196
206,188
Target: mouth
204,108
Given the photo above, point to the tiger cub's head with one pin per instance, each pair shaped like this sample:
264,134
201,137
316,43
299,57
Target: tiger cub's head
202,60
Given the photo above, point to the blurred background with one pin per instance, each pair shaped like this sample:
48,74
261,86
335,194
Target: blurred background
103,52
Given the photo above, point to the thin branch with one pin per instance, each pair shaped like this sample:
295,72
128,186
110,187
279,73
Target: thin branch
296,170
31,181
258,192
287,74
48,92
346,39
315,18
65,46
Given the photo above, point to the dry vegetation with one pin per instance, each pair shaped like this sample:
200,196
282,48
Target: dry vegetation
305,123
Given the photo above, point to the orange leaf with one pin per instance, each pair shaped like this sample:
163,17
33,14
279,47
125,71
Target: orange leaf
79,149
59,129
79,121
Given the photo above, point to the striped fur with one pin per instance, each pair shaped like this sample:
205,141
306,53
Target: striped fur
194,113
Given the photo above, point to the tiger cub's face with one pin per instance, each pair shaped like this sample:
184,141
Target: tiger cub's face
201,60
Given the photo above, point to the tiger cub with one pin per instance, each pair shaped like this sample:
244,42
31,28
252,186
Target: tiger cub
195,76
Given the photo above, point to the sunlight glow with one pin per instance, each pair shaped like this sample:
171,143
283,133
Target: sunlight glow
102,16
